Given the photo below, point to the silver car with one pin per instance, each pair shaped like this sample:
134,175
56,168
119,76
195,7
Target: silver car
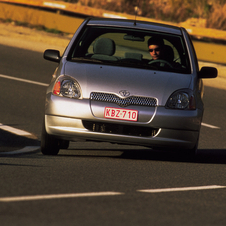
108,86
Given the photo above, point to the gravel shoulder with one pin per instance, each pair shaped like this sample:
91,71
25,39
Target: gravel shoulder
39,41
32,39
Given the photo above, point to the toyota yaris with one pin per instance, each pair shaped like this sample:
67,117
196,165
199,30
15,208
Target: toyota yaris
126,82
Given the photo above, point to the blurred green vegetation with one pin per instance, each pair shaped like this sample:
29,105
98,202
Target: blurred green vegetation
212,11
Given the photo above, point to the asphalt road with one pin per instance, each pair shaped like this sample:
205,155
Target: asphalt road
102,184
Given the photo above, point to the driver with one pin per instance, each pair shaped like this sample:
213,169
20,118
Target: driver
162,55
156,48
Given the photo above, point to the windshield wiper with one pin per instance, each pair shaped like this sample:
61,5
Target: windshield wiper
84,59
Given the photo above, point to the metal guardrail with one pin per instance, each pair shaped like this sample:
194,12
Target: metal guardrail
74,8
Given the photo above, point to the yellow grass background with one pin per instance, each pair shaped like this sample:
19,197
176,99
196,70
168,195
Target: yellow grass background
208,13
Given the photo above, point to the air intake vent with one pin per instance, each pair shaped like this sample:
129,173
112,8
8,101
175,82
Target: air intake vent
120,129
123,102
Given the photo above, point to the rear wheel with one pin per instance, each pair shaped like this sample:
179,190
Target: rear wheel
49,144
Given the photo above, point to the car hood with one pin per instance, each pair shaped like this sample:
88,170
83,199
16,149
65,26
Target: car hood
138,82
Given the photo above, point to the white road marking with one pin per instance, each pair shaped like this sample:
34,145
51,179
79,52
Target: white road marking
24,150
14,130
210,126
18,132
182,189
107,193
58,196
23,80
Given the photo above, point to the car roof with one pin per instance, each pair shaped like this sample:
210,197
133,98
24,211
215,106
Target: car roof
135,24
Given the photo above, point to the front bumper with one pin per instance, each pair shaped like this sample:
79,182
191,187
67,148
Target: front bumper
73,129
73,119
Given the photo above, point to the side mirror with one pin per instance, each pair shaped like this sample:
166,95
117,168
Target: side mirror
52,55
208,72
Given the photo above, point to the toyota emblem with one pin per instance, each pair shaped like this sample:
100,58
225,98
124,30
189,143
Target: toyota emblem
124,93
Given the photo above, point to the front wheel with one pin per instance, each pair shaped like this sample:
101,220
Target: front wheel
194,151
49,144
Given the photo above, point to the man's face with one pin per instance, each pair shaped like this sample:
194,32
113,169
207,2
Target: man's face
155,51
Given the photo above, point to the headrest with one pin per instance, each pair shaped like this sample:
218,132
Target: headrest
169,54
104,46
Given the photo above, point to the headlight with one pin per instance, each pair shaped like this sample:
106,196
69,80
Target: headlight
67,87
182,99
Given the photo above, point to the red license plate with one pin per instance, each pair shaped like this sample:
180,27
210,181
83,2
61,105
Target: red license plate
121,114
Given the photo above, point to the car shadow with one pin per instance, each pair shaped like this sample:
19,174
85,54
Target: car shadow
213,156
210,156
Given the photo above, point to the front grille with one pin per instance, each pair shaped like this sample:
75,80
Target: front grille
120,129
123,102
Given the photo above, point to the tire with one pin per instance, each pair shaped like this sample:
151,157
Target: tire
49,144
64,144
194,151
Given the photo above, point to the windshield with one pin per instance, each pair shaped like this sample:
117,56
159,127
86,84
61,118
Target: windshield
131,48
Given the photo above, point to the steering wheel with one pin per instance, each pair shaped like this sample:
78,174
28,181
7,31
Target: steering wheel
159,62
